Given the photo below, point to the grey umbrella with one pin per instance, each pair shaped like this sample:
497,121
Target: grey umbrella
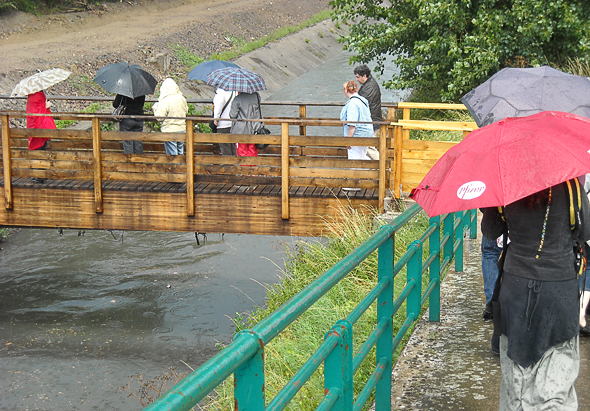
126,79
520,92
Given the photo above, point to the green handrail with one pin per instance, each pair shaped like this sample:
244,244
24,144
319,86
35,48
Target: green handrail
244,357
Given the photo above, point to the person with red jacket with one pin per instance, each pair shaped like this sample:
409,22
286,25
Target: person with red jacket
37,104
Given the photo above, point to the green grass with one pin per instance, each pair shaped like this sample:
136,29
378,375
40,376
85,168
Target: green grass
309,259
241,46
439,115
577,66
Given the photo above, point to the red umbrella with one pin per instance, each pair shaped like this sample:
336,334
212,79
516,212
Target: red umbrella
506,161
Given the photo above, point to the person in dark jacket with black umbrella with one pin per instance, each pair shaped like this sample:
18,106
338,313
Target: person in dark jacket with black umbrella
370,90
133,106
539,345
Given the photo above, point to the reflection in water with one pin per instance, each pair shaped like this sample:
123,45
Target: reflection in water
79,315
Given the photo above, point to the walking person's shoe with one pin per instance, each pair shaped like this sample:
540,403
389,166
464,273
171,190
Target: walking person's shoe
488,313
496,345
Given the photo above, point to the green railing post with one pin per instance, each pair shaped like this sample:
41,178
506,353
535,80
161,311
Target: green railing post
385,312
414,274
473,226
449,231
249,379
434,271
459,235
338,367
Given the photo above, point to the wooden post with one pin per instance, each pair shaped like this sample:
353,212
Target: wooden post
382,165
189,152
302,114
391,116
97,158
406,117
285,170
397,172
6,161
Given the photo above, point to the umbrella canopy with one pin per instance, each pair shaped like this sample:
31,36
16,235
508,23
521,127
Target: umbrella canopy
236,79
40,81
520,92
506,161
126,79
200,71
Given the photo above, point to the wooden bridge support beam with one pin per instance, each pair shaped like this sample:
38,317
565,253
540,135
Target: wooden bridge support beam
97,158
397,172
302,115
382,165
285,170
6,162
189,152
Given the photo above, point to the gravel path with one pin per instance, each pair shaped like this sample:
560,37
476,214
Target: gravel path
135,31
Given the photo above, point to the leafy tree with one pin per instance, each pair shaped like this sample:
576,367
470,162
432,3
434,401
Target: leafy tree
444,48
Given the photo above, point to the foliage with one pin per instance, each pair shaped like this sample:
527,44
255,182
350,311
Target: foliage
241,47
48,6
577,66
306,261
446,48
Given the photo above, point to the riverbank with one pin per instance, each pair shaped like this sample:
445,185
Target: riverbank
188,29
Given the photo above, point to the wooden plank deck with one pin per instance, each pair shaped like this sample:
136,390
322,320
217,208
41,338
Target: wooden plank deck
161,206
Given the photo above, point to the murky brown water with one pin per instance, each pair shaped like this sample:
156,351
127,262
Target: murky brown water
80,314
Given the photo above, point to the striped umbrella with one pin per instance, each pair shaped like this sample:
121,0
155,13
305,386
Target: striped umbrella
236,79
40,81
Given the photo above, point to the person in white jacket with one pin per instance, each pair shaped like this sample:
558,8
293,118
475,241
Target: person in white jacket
172,103
221,107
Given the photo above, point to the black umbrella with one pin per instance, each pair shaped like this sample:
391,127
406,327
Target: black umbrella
126,79
520,92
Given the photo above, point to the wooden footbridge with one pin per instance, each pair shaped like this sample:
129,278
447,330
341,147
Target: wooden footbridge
293,186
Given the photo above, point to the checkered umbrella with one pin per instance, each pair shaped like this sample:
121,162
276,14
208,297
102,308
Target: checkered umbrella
236,79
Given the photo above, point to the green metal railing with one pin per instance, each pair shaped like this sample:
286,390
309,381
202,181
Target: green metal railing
244,357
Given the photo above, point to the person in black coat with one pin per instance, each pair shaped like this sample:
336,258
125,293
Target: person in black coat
539,345
133,106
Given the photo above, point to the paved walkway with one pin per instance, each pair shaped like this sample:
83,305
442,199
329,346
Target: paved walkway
449,365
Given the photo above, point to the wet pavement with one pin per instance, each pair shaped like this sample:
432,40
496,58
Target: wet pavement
448,365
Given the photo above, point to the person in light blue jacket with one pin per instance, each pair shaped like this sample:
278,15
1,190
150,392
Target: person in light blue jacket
356,109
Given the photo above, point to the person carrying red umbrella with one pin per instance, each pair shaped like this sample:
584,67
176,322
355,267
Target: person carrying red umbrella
521,165
539,345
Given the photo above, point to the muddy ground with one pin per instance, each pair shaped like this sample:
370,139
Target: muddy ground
135,31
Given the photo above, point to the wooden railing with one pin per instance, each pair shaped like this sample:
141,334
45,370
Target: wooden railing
291,160
96,155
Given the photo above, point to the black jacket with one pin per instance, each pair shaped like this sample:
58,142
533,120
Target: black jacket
555,260
134,106
370,90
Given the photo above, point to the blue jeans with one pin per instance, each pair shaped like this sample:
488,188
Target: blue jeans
587,275
490,252
174,148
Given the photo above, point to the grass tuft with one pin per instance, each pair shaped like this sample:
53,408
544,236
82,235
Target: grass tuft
305,262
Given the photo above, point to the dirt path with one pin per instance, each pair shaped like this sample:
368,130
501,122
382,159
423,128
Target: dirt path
136,31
